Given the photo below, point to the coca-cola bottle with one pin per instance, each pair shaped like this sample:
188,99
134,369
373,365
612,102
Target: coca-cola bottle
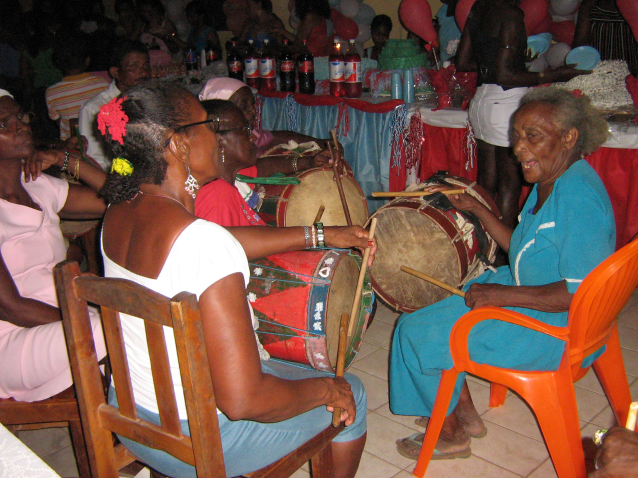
306,70
286,69
267,74
337,67
235,63
353,84
251,66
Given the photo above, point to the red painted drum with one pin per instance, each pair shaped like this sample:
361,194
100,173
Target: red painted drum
441,244
299,297
297,204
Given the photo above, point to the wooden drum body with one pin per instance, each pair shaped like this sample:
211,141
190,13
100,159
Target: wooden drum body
297,204
299,297
441,244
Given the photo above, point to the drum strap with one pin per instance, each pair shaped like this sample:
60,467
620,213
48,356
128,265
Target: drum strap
277,178
440,201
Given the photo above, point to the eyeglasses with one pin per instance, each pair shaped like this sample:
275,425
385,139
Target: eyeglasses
246,129
213,125
10,124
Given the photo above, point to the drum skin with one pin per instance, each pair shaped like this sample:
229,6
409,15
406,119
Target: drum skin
297,204
299,297
441,244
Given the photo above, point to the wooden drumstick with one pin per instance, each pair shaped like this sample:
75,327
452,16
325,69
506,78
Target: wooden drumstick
631,418
322,208
342,194
354,314
341,361
386,194
434,281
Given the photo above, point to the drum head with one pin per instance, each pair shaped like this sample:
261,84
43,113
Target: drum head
318,188
407,237
340,300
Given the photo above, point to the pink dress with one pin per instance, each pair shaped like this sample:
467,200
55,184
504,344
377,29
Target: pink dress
34,361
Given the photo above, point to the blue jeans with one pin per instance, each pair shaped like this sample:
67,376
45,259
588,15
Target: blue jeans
248,445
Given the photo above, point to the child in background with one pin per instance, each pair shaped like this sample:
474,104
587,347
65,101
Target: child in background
380,29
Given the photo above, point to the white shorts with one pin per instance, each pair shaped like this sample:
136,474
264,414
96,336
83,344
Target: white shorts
491,110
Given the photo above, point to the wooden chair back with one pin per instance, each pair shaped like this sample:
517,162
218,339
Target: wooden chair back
203,449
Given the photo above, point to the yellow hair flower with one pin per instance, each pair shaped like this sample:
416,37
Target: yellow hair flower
122,167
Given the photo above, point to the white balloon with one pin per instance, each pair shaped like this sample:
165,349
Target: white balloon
365,16
538,65
556,54
364,33
349,8
564,7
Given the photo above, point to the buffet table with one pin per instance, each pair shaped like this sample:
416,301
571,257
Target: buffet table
390,145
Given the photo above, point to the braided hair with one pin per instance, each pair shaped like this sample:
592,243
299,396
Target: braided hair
154,109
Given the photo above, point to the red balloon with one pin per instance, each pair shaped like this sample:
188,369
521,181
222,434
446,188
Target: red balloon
629,10
345,28
535,13
416,16
544,26
462,11
563,31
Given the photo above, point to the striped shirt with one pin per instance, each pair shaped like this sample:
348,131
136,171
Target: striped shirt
64,99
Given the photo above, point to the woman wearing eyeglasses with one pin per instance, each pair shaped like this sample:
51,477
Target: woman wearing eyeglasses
33,355
170,146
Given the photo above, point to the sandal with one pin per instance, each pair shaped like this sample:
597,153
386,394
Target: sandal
410,447
474,432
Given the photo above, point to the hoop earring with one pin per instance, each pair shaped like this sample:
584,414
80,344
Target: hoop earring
191,184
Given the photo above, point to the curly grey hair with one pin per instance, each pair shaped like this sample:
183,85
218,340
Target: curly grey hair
571,112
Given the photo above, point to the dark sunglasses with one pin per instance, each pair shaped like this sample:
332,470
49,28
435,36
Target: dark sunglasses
212,123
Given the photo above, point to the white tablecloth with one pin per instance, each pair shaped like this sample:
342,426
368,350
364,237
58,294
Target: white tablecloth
18,461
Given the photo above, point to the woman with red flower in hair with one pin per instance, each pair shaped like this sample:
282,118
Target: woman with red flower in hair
33,351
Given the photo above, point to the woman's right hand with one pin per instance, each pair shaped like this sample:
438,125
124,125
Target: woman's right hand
341,397
565,73
462,202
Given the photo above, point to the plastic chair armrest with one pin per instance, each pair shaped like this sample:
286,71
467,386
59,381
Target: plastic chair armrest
463,327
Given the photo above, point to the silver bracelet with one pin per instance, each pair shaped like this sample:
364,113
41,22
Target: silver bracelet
294,164
66,161
306,236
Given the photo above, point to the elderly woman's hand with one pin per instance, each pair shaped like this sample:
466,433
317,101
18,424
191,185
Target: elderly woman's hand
462,202
484,295
345,237
40,161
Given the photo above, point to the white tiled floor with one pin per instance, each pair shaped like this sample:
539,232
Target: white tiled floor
512,448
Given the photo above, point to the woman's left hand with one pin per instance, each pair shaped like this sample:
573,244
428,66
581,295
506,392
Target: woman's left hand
345,237
484,295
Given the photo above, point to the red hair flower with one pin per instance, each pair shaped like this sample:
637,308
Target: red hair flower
112,118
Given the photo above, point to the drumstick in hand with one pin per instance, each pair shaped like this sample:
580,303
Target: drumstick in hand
385,194
341,361
322,208
342,194
354,314
434,281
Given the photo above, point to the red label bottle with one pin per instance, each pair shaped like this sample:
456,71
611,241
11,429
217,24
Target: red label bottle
251,66
286,69
337,66
235,63
267,68
353,82
306,70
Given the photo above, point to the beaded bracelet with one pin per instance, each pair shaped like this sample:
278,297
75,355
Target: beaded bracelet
314,237
66,161
294,164
320,234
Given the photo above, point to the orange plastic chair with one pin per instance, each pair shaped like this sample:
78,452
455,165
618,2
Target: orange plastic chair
551,395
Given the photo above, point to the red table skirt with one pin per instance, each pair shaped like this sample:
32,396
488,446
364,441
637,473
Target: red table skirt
447,149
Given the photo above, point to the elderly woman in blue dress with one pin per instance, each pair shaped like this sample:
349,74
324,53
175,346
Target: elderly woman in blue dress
566,229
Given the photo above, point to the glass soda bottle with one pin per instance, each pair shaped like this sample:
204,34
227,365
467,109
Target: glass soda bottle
286,69
267,74
191,59
337,66
235,63
306,70
251,66
353,85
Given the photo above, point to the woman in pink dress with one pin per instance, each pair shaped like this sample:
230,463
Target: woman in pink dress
33,356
